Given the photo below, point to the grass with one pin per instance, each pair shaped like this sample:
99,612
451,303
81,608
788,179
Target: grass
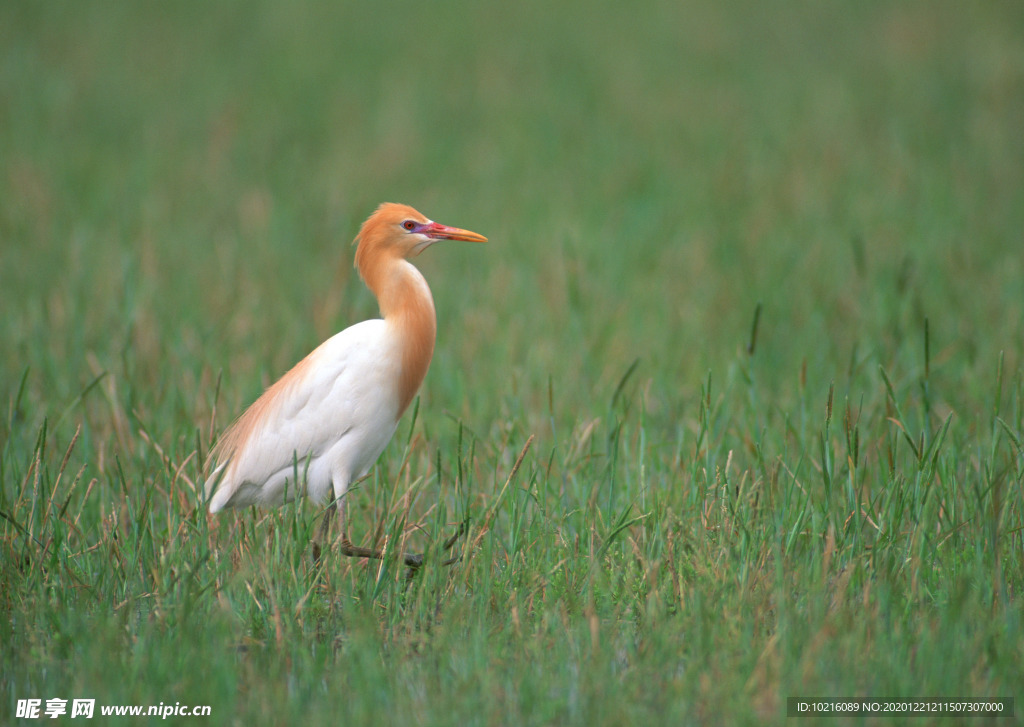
754,288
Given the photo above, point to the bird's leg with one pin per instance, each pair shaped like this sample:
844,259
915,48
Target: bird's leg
412,560
322,534
453,540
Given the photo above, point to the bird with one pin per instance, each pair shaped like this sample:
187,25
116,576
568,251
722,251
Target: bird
323,425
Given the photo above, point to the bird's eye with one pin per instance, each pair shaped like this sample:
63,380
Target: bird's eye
409,225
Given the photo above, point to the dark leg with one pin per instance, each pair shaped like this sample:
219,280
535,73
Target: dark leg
412,560
322,534
452,541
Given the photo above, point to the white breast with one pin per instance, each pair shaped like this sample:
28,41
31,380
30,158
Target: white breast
327,420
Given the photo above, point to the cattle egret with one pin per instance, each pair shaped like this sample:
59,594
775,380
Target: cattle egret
330,417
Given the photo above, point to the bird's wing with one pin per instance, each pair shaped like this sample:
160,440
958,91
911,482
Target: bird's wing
345,388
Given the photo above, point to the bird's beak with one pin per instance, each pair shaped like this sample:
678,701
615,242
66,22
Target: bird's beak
437,231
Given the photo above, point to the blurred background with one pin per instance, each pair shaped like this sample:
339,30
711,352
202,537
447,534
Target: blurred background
180,185
695,535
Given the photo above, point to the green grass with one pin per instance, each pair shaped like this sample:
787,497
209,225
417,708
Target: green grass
714,514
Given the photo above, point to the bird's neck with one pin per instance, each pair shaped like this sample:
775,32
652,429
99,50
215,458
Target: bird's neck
407,306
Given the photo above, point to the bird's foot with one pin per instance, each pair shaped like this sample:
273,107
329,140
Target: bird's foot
413,561
463,529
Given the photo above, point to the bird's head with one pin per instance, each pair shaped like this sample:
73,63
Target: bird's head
399,230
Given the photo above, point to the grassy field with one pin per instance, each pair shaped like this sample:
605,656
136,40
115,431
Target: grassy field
755,287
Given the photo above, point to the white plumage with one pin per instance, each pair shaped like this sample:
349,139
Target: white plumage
325,422
331,424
